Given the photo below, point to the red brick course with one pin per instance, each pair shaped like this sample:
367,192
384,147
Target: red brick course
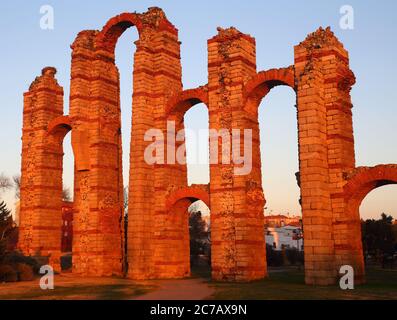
158,232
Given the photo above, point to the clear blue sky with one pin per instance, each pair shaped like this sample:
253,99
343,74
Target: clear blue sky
277,27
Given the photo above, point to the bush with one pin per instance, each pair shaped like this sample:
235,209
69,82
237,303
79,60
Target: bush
3,247
292,256
274,258
25,272
14,258
8,274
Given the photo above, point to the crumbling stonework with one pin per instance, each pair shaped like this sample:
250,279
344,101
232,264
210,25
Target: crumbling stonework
158,233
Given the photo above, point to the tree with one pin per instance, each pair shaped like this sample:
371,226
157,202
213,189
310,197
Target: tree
6,225
66,195
5,183
379,239
17,186
198,234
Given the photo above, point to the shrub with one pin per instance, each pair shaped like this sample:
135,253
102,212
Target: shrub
14,258
8,274
292,256
274,258
25,272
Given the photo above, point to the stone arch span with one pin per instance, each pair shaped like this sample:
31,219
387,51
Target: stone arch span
116,26
261,84
181,102
360,182
175,232
366,179
60,126
192,193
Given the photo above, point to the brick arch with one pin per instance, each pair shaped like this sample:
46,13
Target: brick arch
115,27
59,127
181,102
261,84
366,179
192,194
174,232
347,226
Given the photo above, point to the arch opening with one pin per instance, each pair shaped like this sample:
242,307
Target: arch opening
62,166
378,214
68,196
200,238
196,122
108,38
360,184
124,53
187,231
279,171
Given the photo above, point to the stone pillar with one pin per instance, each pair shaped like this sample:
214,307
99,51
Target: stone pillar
41,180
157,75
310,69
338,80
169,227
95,115
238,246
80,115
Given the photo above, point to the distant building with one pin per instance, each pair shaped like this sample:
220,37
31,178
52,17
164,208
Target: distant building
277,221
285,237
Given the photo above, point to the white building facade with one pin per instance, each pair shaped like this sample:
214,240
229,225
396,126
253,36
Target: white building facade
286,237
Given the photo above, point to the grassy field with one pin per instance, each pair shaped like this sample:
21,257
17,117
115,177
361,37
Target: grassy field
282,284
289,284
71,288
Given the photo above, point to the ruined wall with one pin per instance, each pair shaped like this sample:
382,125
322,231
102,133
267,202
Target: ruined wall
41,177
158,233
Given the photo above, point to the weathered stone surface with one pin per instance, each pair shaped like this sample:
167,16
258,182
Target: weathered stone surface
158,232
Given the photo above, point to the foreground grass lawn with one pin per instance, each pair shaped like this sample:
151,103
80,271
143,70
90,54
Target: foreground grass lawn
70,288
289,284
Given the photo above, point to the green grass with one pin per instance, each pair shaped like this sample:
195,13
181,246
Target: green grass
82,292
289,284
281,285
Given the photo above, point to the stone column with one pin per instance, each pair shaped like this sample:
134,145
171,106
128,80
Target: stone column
338,80
313,157
169,227
95,115
41,180
157,75
238,247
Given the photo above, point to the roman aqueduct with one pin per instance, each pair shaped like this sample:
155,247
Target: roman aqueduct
332,188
